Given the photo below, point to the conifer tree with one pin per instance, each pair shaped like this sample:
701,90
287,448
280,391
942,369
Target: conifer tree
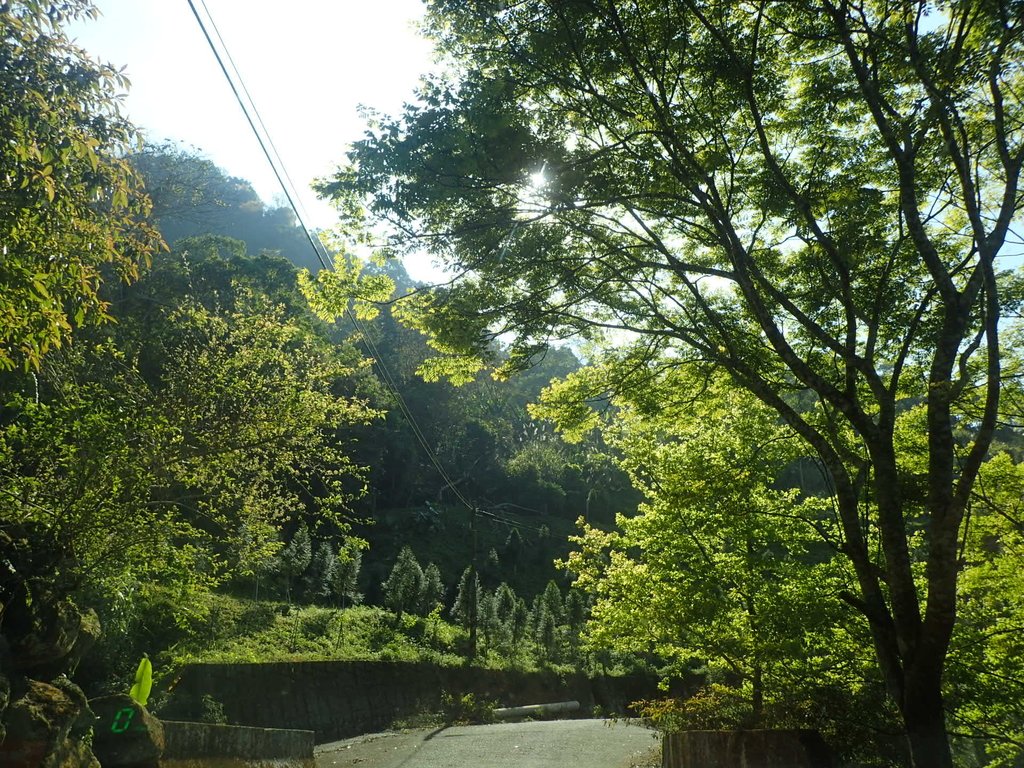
467,598
552,599
545,628
295,558
504,608
402,587
513,550
320,575
520,621
345,584
432,590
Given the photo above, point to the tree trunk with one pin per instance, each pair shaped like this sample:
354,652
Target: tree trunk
923,710
757,701
925,723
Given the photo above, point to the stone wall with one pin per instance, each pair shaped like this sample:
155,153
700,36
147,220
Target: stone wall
203,745
745,749
342,699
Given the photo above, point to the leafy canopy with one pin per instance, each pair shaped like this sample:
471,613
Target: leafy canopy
71,202
167,451
811,196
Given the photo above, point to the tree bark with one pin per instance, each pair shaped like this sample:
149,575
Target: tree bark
924,720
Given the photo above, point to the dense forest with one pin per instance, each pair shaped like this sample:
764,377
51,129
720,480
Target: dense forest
728,387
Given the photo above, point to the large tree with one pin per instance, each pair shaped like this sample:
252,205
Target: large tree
811,196
161,455
71,203
729,567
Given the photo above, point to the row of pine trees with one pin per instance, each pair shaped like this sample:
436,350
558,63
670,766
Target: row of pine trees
329,574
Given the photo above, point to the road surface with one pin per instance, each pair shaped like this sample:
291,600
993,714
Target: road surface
544,744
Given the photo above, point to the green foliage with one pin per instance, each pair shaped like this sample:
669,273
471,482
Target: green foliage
468,596
320,576
466,709
345,583
170,449
713,707
545,629
403,588
724,571
72,207
211,711
193,197
431,591
362,633
295,557
143,682
811,196
986,677
332,293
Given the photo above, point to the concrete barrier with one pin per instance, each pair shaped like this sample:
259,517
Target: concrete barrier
202,745
339,699
746,749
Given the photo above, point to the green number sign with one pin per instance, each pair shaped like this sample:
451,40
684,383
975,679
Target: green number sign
122,720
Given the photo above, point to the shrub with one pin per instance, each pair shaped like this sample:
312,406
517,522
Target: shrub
466,709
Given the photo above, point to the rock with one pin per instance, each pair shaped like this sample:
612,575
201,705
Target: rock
82,726
45,721
126,735
42,651
44,713
89,631
74,753
5,693
45,727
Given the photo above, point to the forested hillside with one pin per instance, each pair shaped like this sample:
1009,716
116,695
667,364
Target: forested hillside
216,437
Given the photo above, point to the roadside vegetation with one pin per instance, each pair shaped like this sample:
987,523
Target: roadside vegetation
729,385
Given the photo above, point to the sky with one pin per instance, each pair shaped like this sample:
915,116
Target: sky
307,64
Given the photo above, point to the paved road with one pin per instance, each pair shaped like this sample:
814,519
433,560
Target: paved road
547,744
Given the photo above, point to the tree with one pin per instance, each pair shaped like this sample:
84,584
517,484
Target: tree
726,570
192,196
552,599
196,448
513,549
500,620
431,590
545,628
575,617
467,598
71,208
147,461
320,576
402,587
345,585
810,196
295,558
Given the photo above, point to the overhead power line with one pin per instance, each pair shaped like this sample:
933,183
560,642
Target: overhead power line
248,106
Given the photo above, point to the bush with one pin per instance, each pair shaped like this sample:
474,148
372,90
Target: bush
466,709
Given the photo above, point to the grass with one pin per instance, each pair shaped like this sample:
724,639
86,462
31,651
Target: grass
246,631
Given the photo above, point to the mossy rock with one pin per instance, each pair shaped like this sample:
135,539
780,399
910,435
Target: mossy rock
125,734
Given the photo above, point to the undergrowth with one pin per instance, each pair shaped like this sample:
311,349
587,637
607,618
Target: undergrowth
242,631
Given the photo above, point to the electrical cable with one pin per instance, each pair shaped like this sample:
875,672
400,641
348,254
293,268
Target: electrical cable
259,129
246,111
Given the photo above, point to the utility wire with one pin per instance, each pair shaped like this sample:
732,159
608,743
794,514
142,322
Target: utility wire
259,129
250,110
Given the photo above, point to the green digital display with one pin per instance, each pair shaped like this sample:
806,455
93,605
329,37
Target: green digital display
122,720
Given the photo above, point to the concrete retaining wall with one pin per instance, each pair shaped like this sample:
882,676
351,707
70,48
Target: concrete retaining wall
342,699
745,749
203,745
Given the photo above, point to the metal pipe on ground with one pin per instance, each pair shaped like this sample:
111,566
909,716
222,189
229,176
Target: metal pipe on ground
536,710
